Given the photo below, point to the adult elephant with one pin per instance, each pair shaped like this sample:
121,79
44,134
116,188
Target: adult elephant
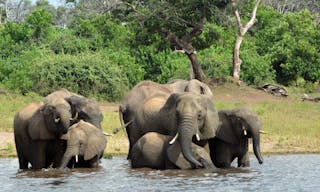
231,141
182,115
154,151
86,140
37,131
82,108
147,89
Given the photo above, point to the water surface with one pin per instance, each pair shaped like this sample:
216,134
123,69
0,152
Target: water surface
278,173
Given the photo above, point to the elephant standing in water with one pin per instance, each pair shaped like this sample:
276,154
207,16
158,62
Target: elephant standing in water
154,151
231,141
84,139
37,131
147,89
182,115
82,108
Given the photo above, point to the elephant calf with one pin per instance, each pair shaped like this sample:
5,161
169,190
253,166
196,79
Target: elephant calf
231,141
154,151
86,140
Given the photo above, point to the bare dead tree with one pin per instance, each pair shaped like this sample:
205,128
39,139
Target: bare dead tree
284,6
16,10
243,28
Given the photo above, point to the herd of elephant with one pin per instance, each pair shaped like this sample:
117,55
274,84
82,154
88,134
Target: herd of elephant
169,126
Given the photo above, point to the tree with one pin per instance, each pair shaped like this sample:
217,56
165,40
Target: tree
17,10
40,22
284,6
242,31
177,22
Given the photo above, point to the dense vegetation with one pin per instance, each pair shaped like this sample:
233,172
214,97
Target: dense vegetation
105,52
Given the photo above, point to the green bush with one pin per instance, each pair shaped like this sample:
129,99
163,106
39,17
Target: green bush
89,74
65,42
216,62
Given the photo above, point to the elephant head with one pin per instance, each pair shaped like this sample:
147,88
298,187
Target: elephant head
191,115
51,120
154,151
240,123
85,109
84,139
199,87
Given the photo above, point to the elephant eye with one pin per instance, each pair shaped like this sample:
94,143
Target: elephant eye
57,119
200,116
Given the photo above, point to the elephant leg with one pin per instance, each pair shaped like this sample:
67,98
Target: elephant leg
133,138
23,161
22,148
244,161
220,153
38,154
94,162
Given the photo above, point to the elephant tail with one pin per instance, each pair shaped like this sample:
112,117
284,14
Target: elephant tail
122,110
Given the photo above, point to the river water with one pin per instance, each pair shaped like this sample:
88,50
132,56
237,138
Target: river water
278,173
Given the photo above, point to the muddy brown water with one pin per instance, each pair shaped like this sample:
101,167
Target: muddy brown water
278,173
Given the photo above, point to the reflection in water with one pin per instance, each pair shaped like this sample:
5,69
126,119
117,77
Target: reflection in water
278,173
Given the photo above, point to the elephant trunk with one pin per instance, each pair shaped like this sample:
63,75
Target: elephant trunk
67,156
185,138
65,124
256,146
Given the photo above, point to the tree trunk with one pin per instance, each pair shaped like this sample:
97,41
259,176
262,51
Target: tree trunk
242,31
197,71
236,58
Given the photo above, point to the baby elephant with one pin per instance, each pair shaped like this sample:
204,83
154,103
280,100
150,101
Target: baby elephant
86,140
231,141
154,150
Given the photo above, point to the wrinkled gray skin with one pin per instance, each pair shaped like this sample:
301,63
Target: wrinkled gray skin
231,140
37,131
187,114
154,151
82,108
86,140
147,89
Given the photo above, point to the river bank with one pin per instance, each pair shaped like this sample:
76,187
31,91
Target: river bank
292,126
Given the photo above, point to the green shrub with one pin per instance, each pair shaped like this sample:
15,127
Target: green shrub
216,62
89,74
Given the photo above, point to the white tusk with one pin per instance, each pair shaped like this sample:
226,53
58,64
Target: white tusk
56,120
107,134
244,130
263,132
75,117
198,137
77,159
174,139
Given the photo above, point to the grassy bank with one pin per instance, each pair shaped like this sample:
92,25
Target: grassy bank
293,126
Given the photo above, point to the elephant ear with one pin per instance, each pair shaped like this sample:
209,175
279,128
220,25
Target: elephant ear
175,156
96,141
226,131
171,101
212,122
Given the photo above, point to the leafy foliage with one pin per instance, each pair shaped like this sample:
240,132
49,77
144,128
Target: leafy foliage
105,54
